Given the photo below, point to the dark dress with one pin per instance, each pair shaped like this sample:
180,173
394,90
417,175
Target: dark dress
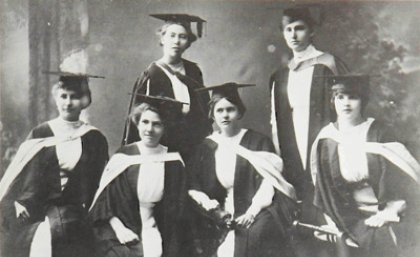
334,196
189,129
38,188
267,236
120,199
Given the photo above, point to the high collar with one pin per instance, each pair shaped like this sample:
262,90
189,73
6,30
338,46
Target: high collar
146,150
308,53
63,127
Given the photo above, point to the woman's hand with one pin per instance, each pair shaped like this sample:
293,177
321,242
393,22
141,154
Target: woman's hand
203,200
381,218
21,211
245,220
124,234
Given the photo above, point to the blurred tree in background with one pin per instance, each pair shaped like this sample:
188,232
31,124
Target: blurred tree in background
361,39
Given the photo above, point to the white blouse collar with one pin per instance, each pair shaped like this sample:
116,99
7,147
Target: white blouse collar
308,53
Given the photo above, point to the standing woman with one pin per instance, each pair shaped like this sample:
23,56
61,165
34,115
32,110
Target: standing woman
138,206
45,192
226,173
366,182
175,77
300,97
300,108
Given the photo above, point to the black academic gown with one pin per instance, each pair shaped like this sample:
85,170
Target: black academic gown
38,188
120,199
187,130
334,196
320,114
267,236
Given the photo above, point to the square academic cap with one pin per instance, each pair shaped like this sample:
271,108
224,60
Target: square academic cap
228,91
166,106
357,84
74,81
184,19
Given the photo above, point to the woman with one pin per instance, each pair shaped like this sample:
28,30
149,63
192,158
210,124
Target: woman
300,108
365,182
48,187
224,175
140,200
175,77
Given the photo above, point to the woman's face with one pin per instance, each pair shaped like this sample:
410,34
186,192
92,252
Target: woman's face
175,40
297,35
348,107
69,104
226,115
150,128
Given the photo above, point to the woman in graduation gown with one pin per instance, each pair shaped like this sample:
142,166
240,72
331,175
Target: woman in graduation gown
175,77
139,203
225,175
365,182
48,187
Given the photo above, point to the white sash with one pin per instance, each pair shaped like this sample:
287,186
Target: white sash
268,165
394,152
181,92
29,149
119,162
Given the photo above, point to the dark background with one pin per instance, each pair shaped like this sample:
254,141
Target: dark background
242,43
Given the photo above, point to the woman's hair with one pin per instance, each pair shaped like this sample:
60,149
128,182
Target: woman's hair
77,85
191,36
298,14
138,111
360,91
234,100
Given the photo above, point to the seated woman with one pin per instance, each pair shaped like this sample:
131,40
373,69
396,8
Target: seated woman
141,194
175,77
45,192
227,174
365,182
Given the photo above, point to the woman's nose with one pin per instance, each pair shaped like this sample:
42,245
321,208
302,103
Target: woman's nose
149,127
67,101
294,35
225,114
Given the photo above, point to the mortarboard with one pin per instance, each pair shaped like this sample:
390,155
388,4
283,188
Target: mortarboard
183,19
166,106
350,83
77,82
74,81
227,90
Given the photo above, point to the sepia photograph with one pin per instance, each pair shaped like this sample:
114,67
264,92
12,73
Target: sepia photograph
209,128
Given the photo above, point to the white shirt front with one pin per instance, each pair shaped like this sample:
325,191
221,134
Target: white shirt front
68,152
299,94
150,189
